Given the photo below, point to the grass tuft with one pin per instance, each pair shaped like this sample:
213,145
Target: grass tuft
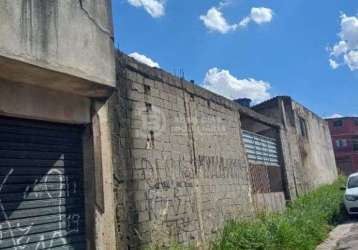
305,223
302,226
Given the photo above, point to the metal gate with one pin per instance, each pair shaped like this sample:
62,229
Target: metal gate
261,149
265,172
41,187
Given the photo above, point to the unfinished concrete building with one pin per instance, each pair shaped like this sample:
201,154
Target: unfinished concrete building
187,160
309,156
56,72
98,151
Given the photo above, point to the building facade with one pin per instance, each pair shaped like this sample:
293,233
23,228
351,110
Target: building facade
98,151
309,153
344,132
56,73
186,160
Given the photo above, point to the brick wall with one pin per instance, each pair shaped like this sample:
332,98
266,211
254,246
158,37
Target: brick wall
316,149
276,109
346,156
309,157
180,168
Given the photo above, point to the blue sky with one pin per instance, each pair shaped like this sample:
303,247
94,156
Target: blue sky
284,44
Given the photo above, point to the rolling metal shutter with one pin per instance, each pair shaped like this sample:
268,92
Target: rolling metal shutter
265,172
261,149
41,187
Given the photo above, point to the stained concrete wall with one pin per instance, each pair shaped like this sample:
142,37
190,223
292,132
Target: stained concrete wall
57,64
180,168
309,159
179,164
33,102
60,44
316,149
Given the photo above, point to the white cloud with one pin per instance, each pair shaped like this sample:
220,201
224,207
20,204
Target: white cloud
258,15
346,49
339,49
224,3
349,31
155,8
334,116
215,21
261,15
144,59
223,83
351,59
333,64
244,22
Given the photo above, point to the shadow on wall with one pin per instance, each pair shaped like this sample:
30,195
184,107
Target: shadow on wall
126,210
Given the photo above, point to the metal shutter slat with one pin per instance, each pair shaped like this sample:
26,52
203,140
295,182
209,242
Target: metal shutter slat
41,186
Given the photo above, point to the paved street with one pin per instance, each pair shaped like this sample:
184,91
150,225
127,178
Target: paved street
343,237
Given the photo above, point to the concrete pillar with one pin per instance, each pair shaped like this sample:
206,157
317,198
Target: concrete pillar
104,197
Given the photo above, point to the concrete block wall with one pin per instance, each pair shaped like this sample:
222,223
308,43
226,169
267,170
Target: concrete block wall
276,110
180,169
309,160
316,148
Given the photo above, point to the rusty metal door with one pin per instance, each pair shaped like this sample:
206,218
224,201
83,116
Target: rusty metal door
265,172
41,187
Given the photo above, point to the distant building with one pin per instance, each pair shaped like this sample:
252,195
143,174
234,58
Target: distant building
344,132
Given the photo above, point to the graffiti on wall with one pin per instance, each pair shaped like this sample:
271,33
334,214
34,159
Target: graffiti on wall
21,226
174,194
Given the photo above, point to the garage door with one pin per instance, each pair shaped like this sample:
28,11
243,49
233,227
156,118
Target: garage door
41,188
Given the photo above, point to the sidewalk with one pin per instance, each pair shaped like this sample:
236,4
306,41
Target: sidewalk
343,237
